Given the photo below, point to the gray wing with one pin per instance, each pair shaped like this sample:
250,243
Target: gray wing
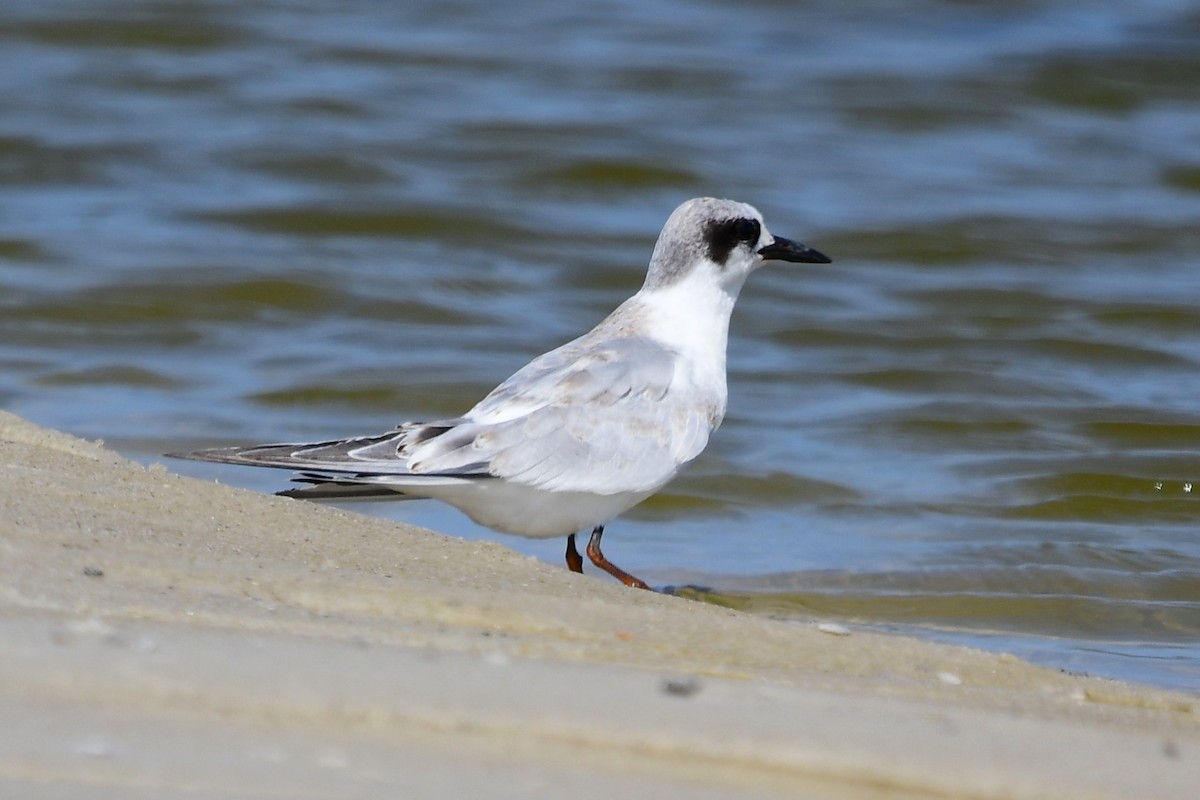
592,416
596,416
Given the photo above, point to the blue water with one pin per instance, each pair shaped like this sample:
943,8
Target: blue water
225,222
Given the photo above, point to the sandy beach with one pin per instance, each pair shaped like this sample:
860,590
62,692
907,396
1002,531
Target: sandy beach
166,637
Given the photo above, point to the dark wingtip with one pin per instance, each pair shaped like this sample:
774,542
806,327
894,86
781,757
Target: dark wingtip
221,455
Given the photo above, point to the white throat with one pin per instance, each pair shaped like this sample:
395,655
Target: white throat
692,312
691,316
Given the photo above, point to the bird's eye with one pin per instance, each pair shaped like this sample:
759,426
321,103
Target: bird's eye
722,236
747,230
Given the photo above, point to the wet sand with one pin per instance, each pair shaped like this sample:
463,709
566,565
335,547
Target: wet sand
167,637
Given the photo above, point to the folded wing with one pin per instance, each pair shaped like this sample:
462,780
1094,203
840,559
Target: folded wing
590,416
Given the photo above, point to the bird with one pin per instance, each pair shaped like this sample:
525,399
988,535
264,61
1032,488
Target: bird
585,431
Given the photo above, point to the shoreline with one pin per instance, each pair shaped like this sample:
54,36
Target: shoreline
218,642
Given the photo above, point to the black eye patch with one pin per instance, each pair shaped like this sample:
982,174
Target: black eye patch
724,235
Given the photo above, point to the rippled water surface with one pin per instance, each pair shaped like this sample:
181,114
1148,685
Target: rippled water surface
223,222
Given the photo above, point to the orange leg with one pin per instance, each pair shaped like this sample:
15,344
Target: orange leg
574,560
593,551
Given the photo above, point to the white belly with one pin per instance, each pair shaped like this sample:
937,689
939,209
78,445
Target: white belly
533,513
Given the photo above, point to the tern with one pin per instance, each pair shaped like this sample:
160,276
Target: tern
586,431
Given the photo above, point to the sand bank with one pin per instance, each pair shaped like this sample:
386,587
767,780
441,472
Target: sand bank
167,637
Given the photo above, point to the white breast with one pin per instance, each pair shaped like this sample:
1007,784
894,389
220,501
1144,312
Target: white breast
691,316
